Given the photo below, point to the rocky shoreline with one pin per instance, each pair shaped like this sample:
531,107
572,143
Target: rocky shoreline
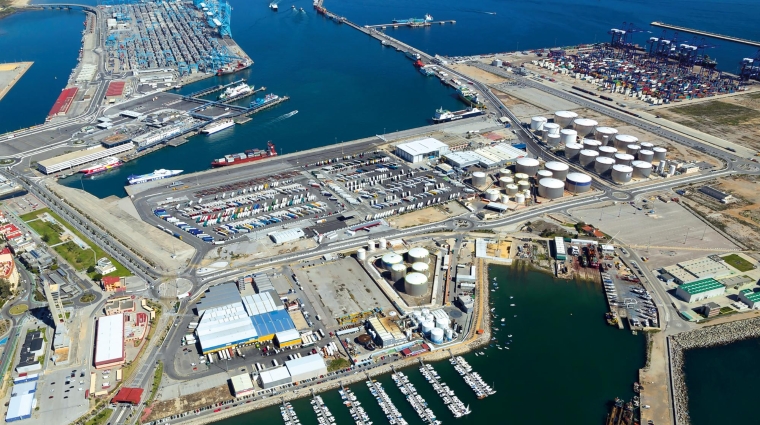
705,337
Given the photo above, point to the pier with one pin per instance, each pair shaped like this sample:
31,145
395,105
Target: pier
214,89
243,95
706,34
418,403
354,406
324,417
473,379
390,410
410,25
450,399
289,414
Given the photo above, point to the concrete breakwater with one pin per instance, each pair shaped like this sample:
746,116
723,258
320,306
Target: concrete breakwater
705,337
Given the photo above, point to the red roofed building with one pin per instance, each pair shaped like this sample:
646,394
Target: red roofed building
112,283
63,103
115,90
591,231
128,395
10,231
8,268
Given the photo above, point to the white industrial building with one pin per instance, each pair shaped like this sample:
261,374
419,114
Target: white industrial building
242,385
271,378
306,367
699,290
500,155
288,235
420,150
387,333
75,159
109,341
22,402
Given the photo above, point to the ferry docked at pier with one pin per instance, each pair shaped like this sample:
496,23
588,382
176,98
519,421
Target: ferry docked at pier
155,175
247,156
237,90
469,96
218,126
442,115
102,166
261,101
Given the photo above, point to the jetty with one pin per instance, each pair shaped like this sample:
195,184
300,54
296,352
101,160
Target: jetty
410,25
324,417
455,405
289,414
418,403
354,406
389,409
706,34
473,379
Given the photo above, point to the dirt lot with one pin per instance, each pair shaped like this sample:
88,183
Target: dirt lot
735,118
192,401
478,74
428,215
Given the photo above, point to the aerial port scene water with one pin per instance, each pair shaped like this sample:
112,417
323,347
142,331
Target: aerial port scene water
332,212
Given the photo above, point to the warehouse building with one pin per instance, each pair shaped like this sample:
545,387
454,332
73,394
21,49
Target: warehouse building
287,338
307,367
78,158
715,193
218,296
387,332
271,378
421,150
700,289
115,91
22,402
560,250
109,342
241,385
751,298
463,160
288,235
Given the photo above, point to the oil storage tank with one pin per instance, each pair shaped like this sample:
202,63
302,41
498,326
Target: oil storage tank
521,176
605,135
415,284
572,150
552,140
537,123
591,144
398,272
603,164
568,136
493,194
527,166
608,151
641,169
551,128
390,259
659,153
565,118
436,336
423,268
523,185
623,158
550,188
478,179
632,149
587,157
623,140
504,181
512,189
361,254
646,145
418,255
520,199
559,169
645,155
427,326
542,174
505,172
578,183
584,126
621,173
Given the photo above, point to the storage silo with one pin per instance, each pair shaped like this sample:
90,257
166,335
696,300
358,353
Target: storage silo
584,126
623,158
361,254
646,145
572,150
559,169
390,259
512,189
578,183
568,136
418,255
382,243
608,151
398,272
587,157
436,336
504,181
603,164
493,194
645,155
527,166
621,173
523,185
521,176
542,174
550,188
537,123
479,179
623,140
591,144
552,140
520,199
423,268
659,153
505,172
415,284
605,135
641,169
632,149
427,326
371,245
565,118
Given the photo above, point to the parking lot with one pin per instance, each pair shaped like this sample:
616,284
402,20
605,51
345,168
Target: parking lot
61,398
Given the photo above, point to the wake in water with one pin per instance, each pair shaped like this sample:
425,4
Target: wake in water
282,117
477,11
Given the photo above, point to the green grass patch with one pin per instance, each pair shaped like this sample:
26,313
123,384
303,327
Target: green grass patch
739,263
87,298
337,364
18,309
156,382
101,418
719,112
79,258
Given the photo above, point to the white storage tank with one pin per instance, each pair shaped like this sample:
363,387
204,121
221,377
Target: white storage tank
659,153
623,140
621,173
512,189
645,155
523,185
371,245
398,272
641,169
565,118
520,199
423,268
427,326
496,62
551,128
550,188
578,183
671,170
527,166
559,169
361,254
542,174
537,123
436,336
478,179
382,243
448,333
591,144
415,284
603,164
521,176
608,151
568,136
584,126
493,194
605,135
646,145
418,254
623,158
632,149
587,157
390,259
505,172
505,198
552,140
572,150
504,181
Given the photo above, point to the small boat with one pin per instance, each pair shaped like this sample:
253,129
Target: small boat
503,320
292,6
511,305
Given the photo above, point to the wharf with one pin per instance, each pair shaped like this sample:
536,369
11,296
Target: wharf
324,416
243,120
179,141
706,34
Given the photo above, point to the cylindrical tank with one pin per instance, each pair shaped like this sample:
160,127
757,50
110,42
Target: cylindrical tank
390,259
527,166
591,144
418,254
632,149
646,145
520,199
565,118
578,183
398,272
662,166
568,136
504,181
671,170
587,157
608,151
523,185
542,174
550,188
641,169
505,172
493,194
436,336
645,155
496,62
659,153
621,173
584,126
537,123
417,315
552,140
605,134
521,176
603,164
427,326
478,178
415,284
552,128
423,268
544,134
448,333
558,169
504,198
382,243
361,254
572,150
623,158
512,189
623,140
371,245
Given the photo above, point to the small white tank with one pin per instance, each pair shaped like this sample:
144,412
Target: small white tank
623,140
568,136
659,153
645,155
542,174
520,199
505,172
371,245
537,123
623,158
436,336
646,145
361,254
521,176
608,151
632,149
603,164
398,272
423,268
427,327
382,243
478,179
504,181
511,189
605,135
493,194
552,128
565,118
572,150
591,144
552,140
523,185
587,157
585,126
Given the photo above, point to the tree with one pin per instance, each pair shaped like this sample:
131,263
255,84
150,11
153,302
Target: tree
90,269
579,225
5,288
97,276
46,238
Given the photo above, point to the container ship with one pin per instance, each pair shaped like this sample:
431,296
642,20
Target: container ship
155,175
102,166
231,68
233,91
247,156
261,101
442,115
218,126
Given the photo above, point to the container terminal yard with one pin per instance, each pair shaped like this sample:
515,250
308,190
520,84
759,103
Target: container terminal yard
259,309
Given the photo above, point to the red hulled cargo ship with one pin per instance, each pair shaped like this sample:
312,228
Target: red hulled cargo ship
247,156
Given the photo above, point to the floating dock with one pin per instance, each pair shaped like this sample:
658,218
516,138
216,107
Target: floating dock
354,406
324,416
390,409
706,34
455,405
415,400
289,414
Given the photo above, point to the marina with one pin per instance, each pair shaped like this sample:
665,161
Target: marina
455,405
418,403
386,404
473,379
289,414
354,406
324,417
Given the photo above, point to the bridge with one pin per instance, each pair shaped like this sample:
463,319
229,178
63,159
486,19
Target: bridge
706,34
